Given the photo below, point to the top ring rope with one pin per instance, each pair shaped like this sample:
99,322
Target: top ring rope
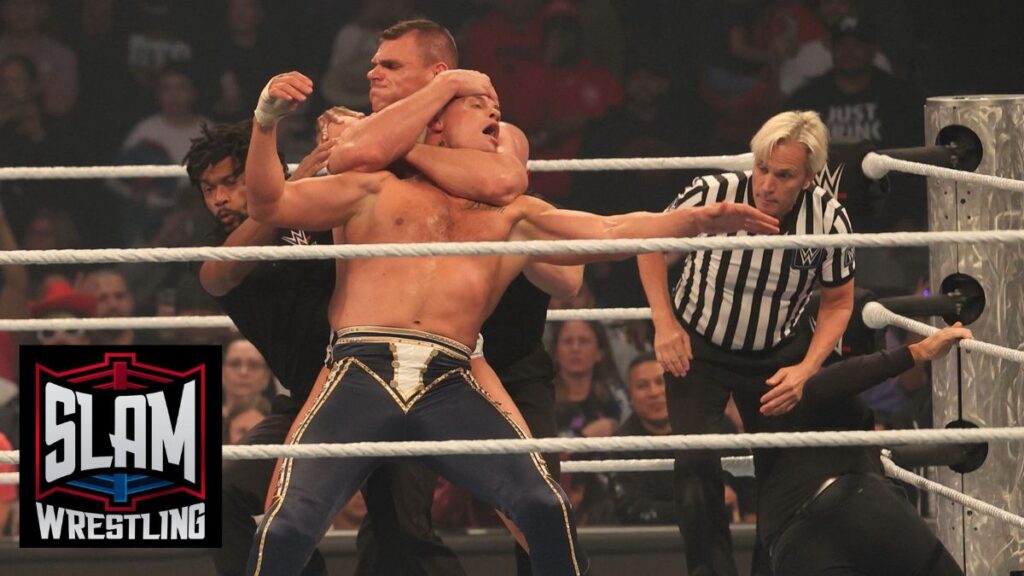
614,443
533,248
876,166
734,162
171,322
877,316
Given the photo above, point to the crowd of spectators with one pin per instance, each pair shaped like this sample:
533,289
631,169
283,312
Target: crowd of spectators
97,82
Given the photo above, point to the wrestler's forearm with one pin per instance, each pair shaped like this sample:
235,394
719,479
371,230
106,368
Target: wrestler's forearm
488,177
854,375
378,140
833,316
680,223
219,278
264,179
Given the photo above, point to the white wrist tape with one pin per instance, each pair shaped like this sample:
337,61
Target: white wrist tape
270,110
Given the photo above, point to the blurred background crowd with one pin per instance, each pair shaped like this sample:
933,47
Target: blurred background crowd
101,82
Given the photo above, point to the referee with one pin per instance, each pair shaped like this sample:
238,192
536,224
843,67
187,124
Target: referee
730,327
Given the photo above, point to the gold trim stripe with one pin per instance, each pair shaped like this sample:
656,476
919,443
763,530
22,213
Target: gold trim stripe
337,373
538,463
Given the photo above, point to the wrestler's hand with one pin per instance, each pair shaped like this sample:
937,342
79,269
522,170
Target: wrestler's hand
938,344
281,96
787,389
315,161
333,121
731,217
672,347
468,83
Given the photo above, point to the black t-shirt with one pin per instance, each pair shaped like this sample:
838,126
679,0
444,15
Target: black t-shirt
281,307
887,114
789,477
642,497
516,326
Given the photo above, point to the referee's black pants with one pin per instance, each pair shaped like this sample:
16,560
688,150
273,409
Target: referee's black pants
861,525
696,405
399,540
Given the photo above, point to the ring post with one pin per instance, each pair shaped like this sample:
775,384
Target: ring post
979,388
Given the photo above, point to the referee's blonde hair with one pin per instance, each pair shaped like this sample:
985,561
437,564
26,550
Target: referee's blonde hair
801,126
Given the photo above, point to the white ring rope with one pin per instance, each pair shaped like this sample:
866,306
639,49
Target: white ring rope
743,466
876,166
166,322
735,465
894,471
533,248
877,316
732,162
615,444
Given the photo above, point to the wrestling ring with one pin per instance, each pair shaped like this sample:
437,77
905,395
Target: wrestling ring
980,515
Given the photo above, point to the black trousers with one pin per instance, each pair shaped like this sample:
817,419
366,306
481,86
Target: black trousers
861,525
696,405
389,385
399,540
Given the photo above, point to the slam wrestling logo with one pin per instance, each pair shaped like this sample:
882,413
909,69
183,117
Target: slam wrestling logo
120,446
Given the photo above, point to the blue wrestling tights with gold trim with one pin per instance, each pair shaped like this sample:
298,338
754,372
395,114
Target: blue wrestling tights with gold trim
388,384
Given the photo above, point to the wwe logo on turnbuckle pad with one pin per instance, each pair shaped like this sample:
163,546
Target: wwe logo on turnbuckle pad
121,448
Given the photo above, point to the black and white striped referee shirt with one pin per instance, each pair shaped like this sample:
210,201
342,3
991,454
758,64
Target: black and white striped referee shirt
751,299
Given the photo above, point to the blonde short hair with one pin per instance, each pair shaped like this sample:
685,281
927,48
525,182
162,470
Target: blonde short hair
801,126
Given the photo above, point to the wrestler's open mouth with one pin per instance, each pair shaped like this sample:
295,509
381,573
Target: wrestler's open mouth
491,129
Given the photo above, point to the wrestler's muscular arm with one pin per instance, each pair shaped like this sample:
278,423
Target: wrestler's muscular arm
495,179
376,141
541,221
312,203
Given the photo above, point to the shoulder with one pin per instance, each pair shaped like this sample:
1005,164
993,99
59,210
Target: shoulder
715,184
513,141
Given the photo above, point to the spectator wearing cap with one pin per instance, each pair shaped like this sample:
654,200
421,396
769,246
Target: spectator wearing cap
60,300
813,58
857,100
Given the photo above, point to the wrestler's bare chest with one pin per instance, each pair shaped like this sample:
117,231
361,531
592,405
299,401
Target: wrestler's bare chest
413,211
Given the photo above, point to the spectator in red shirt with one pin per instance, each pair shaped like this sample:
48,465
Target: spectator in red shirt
576,92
